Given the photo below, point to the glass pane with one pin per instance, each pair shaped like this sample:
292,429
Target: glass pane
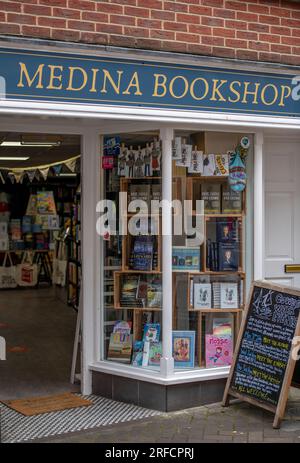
132,278
209,254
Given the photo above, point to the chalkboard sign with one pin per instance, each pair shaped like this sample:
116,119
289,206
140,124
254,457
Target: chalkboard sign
263,365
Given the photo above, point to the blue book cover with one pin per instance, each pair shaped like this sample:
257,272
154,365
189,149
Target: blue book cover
151,332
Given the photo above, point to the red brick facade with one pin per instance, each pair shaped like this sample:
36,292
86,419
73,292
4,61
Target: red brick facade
252,29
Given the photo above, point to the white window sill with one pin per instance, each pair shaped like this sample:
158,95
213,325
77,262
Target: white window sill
152,376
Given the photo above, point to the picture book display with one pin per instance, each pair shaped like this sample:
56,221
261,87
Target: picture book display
218,350
183,349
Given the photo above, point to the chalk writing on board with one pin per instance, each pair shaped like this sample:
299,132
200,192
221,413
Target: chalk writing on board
266,344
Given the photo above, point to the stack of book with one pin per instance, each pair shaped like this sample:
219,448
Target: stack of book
120,343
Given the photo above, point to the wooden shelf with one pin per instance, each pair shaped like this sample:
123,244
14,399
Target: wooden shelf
213,310
141,309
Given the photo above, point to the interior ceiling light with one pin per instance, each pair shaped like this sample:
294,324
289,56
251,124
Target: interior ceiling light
26,144
68,174
14,158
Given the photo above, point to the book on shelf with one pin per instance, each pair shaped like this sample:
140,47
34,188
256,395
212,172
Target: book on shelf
120,347
154,292
218,350
229,256
227,230
196,164
137,353
128,291
231,200
141,255
212,255
139,192
211,195
185,258
122,326
202,295
155,353
229,295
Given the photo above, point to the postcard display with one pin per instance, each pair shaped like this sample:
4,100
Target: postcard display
212,273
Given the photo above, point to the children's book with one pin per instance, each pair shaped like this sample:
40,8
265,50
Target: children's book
209,165
229,296
155,353
120,347
196,164
218,350
222,164
151,332
202,295
137,354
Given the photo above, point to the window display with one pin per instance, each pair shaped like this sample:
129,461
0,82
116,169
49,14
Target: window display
208,268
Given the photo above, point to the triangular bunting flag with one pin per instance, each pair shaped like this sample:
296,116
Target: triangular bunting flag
57,169
71,164
18,176
11,177
1,177
44,172
30,175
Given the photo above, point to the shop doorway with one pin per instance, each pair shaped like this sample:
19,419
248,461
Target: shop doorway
282,210
40,261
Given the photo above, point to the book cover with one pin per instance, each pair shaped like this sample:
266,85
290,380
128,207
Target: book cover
231,200
196,164
183,343
139,192
45,203
227,230
128,291
137,353
228,257
222,327
209,165
122,326
222,164
229,296
154,292
202,296
216,289
155,353
151,332
211,195
176,148
120,347
218,350
185,259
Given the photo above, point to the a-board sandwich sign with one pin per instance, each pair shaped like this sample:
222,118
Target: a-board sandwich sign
266,351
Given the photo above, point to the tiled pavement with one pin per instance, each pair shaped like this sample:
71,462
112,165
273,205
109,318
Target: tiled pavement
238,423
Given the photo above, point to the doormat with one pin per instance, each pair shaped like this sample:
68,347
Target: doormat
104,412
52,403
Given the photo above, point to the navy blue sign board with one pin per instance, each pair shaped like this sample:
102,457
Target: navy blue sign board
73,78
266,352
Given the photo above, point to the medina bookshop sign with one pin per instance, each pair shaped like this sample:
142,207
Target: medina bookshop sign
83,79
266,353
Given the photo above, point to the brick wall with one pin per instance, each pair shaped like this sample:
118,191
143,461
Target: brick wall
253,29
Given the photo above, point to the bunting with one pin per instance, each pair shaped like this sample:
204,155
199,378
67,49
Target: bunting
18,174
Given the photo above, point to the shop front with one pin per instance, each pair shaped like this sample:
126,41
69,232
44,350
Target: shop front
189,193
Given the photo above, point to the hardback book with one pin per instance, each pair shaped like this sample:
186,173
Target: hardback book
142,288
196,164
128,291
212,256
154,292
120,347
218,350
151,332
222,164
141,256
209,165
231,201
155,353
229,256
139,192
137,353
211,195
227,230
229,296
202,295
